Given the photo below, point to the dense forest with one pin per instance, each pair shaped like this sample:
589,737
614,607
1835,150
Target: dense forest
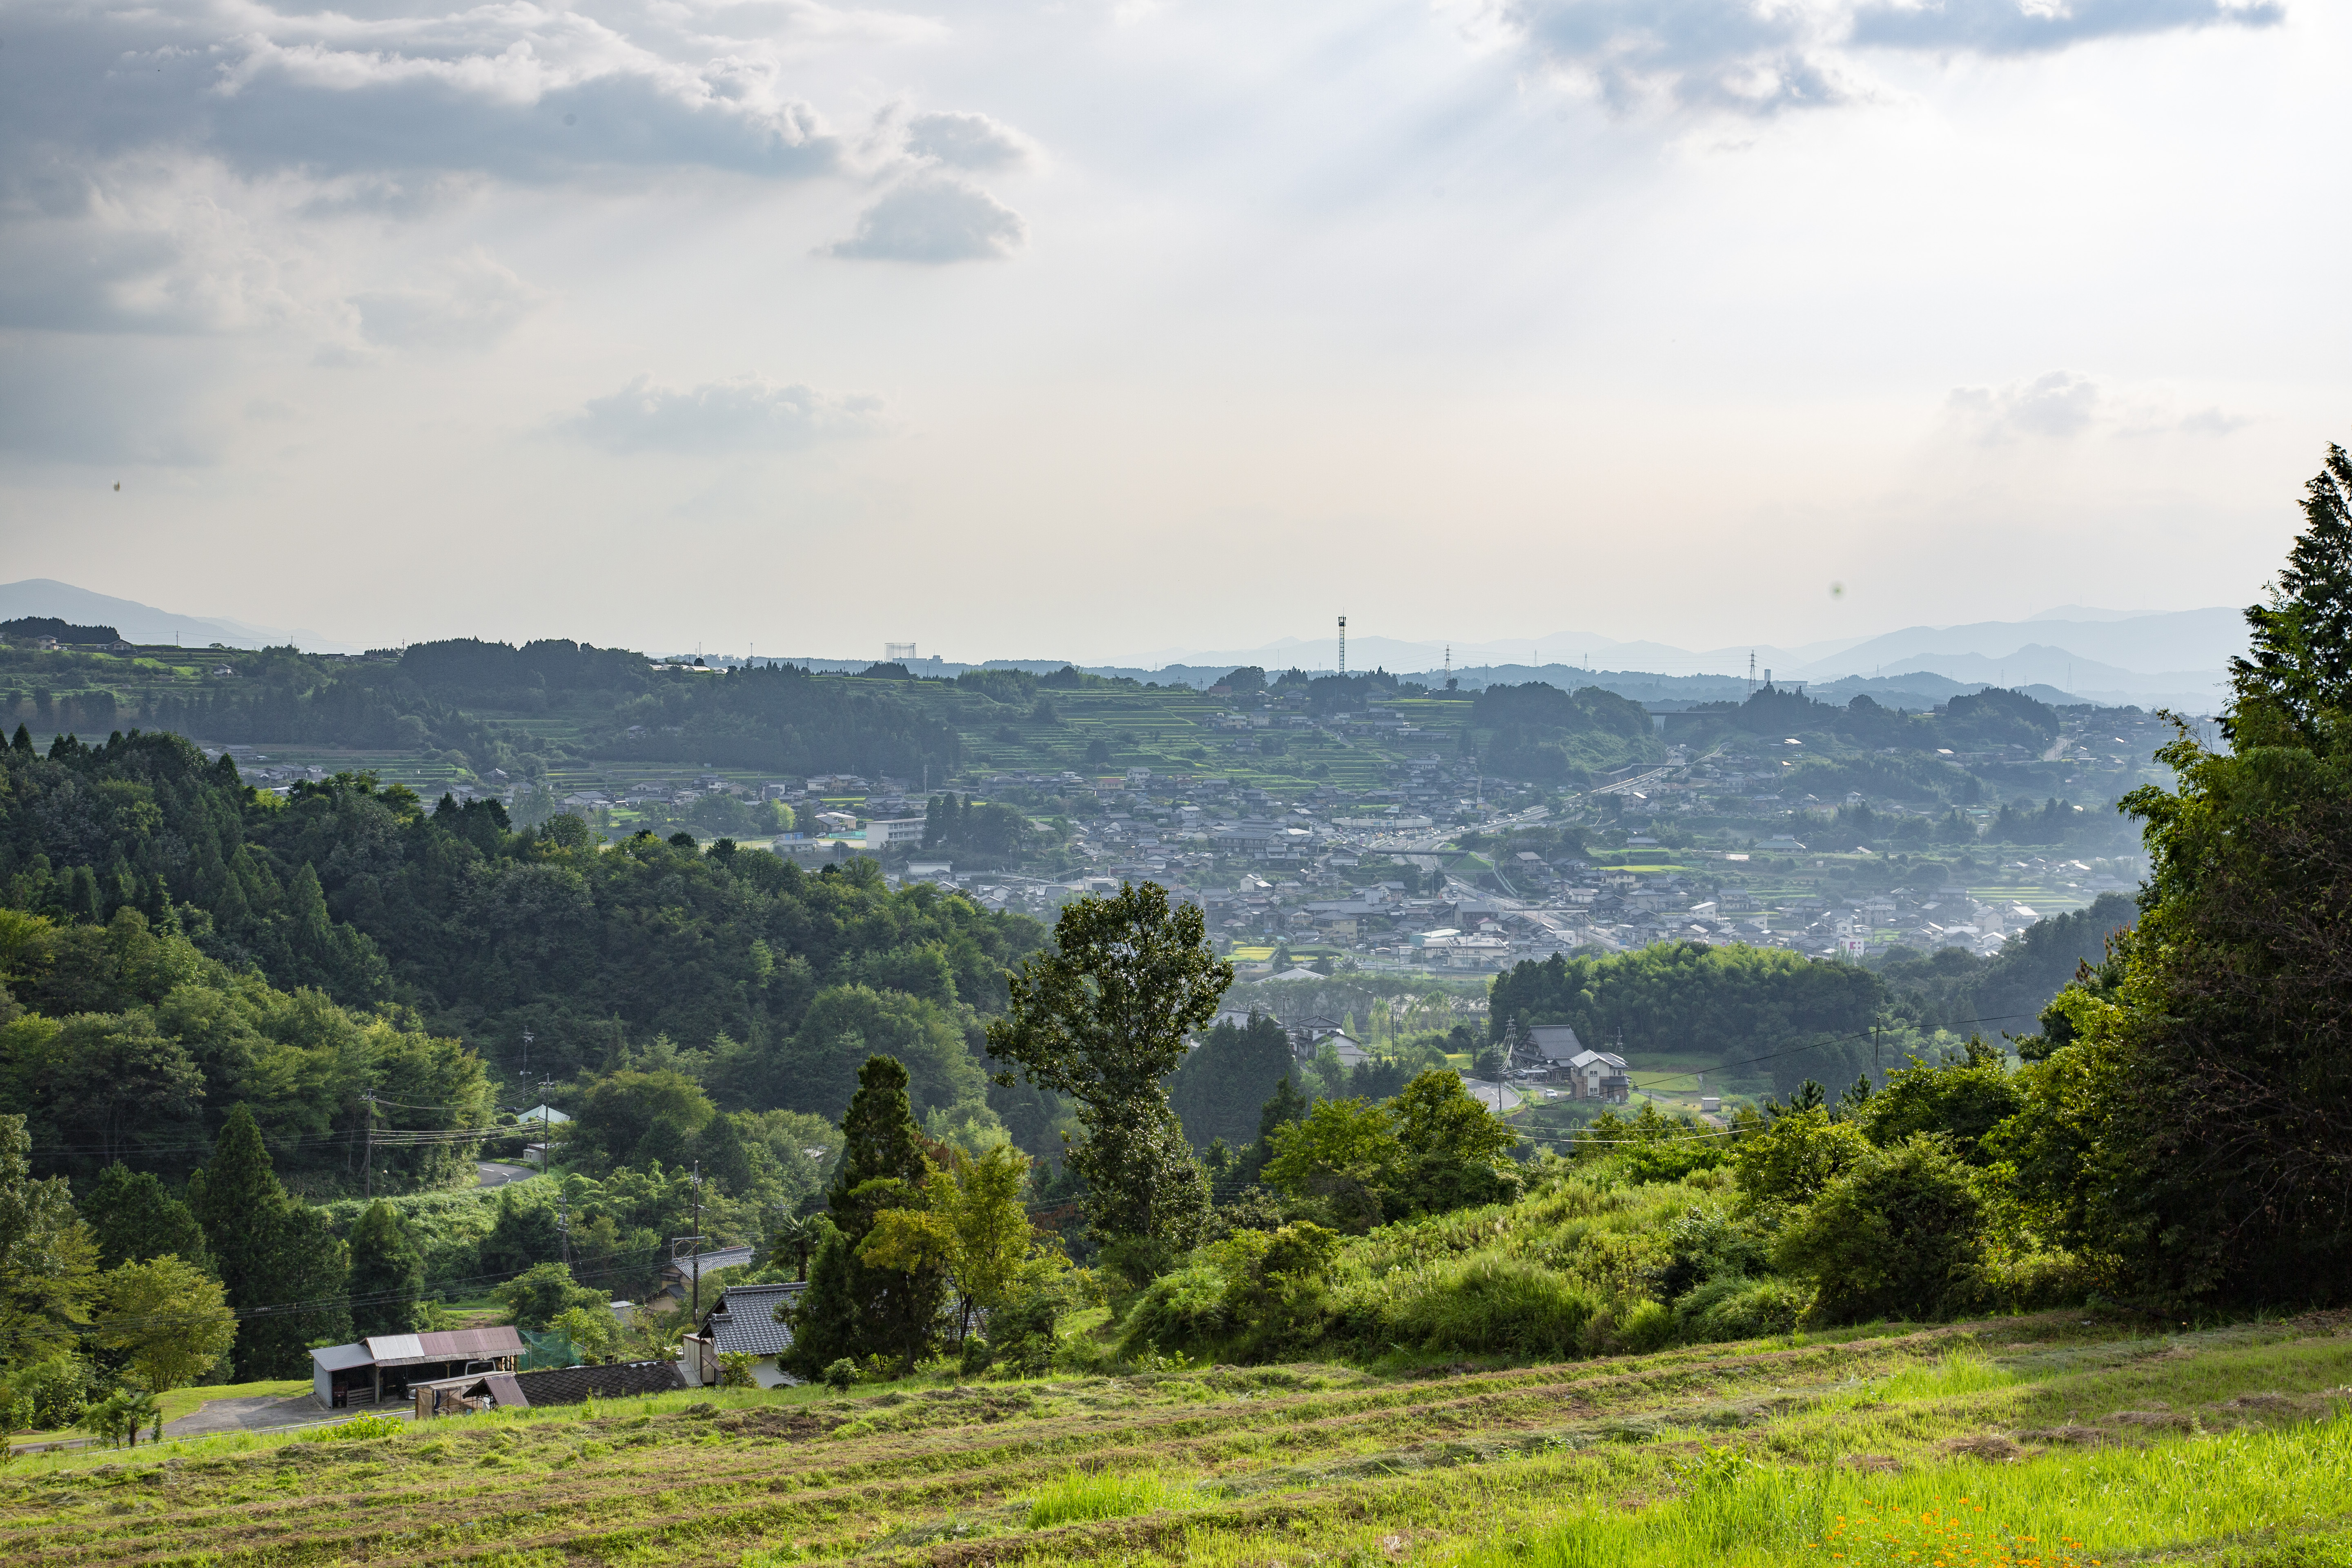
1771,1015
776,717
1540,732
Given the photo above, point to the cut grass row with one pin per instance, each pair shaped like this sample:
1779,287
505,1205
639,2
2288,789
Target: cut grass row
1307,1464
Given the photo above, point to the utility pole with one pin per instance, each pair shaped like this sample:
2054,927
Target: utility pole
697,1244
367,1162
546,1125
527,1037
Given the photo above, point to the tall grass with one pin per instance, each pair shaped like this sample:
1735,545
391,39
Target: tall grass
2056,1510
1077,1496
1960,1372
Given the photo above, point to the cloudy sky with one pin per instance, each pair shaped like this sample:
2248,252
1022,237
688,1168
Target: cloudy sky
1090,328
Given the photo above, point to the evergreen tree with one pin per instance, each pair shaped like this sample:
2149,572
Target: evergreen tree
387,1274
2301,642
135,1220
725,1158
270,1252
1220,1088
851,1308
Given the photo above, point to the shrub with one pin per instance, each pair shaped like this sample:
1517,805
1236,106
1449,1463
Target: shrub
1795,1158
841,1374
1649,1326
1731,1308
50,1393
1901,1234
1023,1334
735,1370
358,1429
1486,1303
1181,1310
1705,1243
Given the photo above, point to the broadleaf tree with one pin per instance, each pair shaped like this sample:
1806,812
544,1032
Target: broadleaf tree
1103,1017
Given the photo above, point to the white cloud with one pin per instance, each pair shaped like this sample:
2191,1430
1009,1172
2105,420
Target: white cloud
934,219
1762,57
966,142
2055,406
744,415
470,302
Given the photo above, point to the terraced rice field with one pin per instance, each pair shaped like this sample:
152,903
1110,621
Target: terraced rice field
2089,1440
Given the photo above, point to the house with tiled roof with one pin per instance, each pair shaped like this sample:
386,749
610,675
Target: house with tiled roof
742,1321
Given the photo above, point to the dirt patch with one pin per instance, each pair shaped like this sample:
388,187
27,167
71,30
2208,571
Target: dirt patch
2075,1436
1991,1447
772,1422
2160,1419
1875,1463
2259,1402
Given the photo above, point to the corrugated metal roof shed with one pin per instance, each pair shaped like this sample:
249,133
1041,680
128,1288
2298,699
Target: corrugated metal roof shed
451,1344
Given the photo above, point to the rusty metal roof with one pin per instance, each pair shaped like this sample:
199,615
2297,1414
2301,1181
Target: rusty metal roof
448,1344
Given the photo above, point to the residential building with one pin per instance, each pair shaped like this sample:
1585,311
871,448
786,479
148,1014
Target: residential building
742,1322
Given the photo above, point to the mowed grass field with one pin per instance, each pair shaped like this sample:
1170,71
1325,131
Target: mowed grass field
2034,1442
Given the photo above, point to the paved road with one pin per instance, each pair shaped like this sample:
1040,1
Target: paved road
495,1174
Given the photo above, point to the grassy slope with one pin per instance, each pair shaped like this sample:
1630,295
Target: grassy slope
2187,1444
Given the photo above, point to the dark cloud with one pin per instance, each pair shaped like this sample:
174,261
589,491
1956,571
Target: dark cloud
934,219
747,415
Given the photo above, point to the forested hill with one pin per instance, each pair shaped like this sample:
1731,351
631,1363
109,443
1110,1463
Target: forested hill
617,705
1783,1016
761,984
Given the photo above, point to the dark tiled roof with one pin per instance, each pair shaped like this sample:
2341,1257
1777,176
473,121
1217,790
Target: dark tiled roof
744,1321
621,1380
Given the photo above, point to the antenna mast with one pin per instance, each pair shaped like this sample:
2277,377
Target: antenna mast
1343,644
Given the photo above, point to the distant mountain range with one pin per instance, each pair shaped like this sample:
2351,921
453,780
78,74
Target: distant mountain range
2177,659
146,624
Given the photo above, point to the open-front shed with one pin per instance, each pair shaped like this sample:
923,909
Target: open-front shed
385,1366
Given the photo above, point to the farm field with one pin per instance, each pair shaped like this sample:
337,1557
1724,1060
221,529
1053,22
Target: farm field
2054,1439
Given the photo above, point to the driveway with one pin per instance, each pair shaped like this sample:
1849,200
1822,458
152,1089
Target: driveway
495,1174
263,1413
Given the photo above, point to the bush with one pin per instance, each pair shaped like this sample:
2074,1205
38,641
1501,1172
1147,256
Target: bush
1731,1308
1024,1334
1705,1243
1495,1305
1900,1235
735,1370
841,1375
1649,1326
50,1395
1181,1311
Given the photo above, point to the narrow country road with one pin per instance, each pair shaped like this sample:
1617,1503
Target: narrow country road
495,1174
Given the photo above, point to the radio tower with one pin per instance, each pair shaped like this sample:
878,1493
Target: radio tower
1751,672
1343,644
1449,664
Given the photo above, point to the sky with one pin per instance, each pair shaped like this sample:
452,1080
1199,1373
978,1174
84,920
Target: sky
1082,328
